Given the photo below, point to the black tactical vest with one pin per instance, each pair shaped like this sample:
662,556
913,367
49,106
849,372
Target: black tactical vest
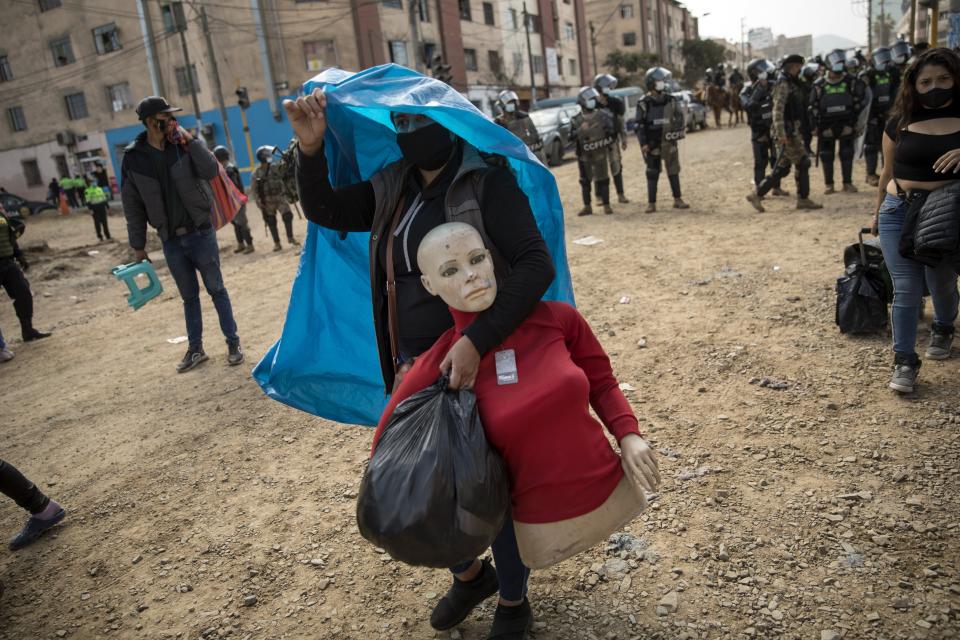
882,92
656,118
836,101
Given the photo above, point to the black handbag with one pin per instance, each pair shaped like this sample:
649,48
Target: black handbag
931,230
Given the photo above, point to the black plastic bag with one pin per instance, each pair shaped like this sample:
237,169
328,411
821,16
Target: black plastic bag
435,493
861,302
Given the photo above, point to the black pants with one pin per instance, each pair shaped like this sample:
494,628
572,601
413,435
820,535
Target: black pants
782,169
828,146
15,486
100,220
654,162
17,287
764,156
872,142
243,234
271,220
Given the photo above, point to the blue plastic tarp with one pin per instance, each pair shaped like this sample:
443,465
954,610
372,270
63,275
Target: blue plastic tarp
326,361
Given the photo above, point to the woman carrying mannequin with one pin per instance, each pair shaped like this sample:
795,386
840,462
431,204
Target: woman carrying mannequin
921,152
430,185
569,488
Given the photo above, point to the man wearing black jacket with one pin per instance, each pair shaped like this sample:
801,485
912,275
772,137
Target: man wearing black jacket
166,174
12,266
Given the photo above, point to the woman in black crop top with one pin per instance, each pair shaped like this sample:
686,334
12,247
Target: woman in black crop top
921,152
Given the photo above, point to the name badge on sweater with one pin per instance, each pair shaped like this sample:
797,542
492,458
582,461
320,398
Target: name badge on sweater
506,361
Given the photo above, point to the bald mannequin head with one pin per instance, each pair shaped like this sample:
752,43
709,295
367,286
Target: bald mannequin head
457,267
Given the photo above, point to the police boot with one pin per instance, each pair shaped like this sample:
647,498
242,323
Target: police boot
607,208
276,246
829,190
849,188
807,203
239,249
622,199
586,211
756,201
678,203
873,180
777,191
651,208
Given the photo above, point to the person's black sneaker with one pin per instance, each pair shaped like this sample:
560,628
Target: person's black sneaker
462,597
234,354
191,359
905,371
941,339
32,334
511,623
35,528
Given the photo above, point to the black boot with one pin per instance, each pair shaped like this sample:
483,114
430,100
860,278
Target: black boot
30,334
462,597
511,623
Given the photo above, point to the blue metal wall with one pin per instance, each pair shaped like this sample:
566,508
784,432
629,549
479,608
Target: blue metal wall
264,129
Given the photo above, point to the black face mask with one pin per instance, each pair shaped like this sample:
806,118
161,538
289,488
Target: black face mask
428,148
935,98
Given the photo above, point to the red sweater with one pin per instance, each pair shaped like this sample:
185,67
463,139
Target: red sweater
560,462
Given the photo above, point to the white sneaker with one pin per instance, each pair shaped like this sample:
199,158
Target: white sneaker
6,355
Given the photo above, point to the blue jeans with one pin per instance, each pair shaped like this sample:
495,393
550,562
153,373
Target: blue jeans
3,345
512,573
908,277
186,255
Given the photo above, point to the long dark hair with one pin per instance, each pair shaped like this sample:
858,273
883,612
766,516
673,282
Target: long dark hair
908,103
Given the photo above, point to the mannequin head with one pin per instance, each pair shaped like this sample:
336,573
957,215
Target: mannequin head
457,267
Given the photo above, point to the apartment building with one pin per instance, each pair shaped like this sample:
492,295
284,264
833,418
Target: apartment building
656,27
72,71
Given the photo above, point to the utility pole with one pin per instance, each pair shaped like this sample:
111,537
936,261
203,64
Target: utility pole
870,25
913,21
211,56
593,46
180,21
743,54
414,8
533,79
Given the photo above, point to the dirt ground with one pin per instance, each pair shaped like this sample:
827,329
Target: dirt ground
801,498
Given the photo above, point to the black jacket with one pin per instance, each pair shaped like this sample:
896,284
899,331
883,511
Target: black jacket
141,194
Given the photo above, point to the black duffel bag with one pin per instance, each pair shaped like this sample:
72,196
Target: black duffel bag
862,293
435,493
931,229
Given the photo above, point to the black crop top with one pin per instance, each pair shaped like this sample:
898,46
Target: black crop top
915,153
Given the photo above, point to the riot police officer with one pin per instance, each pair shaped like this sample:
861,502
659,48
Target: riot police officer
604,83
809,74
757,100
882,79
900,53
835,104
593,136
518,122
659,127
787,131
720,77
267,187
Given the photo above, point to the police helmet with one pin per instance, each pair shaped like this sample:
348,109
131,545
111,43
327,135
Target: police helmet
758,66
720,67
880,58
836,61
655,75
853,63
584,97
809,71
221,152
900,52
604,83
265,152
791,58
506,96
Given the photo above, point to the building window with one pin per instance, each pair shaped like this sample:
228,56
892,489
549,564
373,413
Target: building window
46,5
423,6
626,11
61,161
488,13
319,54
169,21
31,171
517,63
538,64
17,120
6,73
470,59
429,51
119,97
514,23
568,31
187,82
493,59
534,25
560,65
62,52
107,38
465,9
398,52
630,39
573,67
393,4
76,106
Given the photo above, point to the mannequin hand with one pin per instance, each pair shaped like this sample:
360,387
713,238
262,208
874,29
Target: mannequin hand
946,162
308,117
639,462
461,364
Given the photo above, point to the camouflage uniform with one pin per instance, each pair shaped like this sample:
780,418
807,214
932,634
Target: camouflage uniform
267,187
594,136
789,114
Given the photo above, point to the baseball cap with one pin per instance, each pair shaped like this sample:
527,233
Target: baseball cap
152,105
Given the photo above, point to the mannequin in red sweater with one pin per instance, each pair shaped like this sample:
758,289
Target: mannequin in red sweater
569,488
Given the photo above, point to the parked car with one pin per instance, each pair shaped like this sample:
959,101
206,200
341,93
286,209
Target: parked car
554,125
629,95
694,111
15,205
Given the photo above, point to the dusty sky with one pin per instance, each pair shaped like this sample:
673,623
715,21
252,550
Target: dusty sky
789,17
